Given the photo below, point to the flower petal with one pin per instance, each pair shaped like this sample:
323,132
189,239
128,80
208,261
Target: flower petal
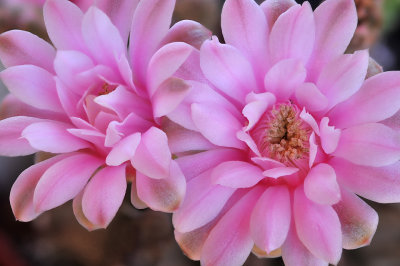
188,31
165,194
359,221
280,171
270,219
343,76
121,13
53,137
257,107
32,85
318,228
203,204
64,180
80,216
124,150
284,77
227,69
221,128
169,95
379,184
101,37
21,195
63,22
236,174
153,157
294,253
329,136
150,24
273,9
369,144
230,242
244,26
196,164
103,195
310,97
320,185
11,143
335,22
293,34
165,62
15,51
370,103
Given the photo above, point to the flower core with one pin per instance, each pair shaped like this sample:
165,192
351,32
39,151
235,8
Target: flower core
281,134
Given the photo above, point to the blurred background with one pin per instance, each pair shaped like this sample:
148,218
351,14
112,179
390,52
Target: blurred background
145,238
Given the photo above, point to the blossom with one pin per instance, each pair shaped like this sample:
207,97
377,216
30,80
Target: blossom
97,105
297,132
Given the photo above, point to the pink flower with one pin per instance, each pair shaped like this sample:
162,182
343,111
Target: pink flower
98,105
297,133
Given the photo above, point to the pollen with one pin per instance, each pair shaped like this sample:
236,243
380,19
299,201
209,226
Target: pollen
282,135
106,89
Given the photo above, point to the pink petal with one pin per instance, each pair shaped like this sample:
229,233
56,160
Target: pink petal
135,200
53,137
92,136
257,107
150,25
343,76
21,195
313,150
236,174
329,136
270,219
370,103
153,157
63,23
12,106
64,180
11,143
169,95
221,129
80,216
192,242
124,150
273,9
294,253
320,185
310,120
359,221
101,37
267,163
370,145
196,164
246,138
293,34
183,140
165,62
379,184
244,26
318,228
165,194
188,31
121,13
123,102
335,22
310,97
203,203
230,242
227,69
68,100
68,66
32,85
284,77
14,51
280,171
104,194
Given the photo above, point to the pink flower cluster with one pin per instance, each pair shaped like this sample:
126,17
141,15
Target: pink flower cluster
272,135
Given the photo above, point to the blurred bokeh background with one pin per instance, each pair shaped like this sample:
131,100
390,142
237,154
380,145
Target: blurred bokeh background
145,238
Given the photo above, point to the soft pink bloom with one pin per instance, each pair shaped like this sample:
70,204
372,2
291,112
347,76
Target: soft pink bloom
298,133
97,104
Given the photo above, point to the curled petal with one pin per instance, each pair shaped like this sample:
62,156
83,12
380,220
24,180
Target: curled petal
124,150
273,9
188,31
80,216
329,136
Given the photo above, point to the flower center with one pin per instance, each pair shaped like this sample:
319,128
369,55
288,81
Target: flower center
281,134
106,89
